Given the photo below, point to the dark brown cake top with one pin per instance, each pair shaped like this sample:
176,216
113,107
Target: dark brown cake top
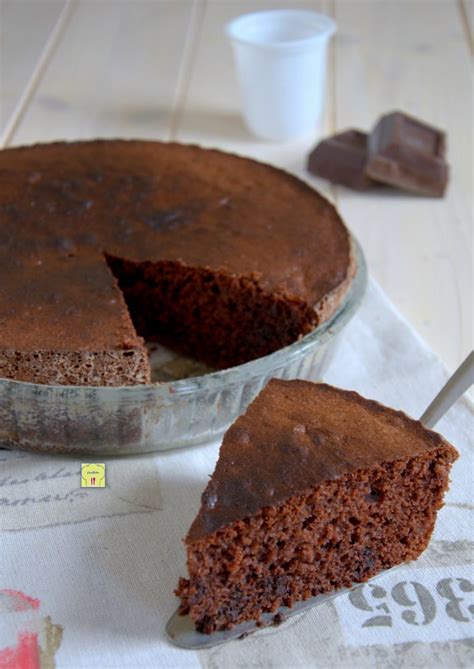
54,301
298,434
151,201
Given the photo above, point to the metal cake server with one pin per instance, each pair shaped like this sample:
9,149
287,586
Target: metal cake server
455,386
181,630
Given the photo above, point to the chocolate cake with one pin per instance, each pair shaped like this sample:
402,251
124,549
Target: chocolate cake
315,489
104,243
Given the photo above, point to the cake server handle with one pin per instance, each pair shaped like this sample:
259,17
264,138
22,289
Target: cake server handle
460,381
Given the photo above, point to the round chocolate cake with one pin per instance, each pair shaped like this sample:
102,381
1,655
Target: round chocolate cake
106,243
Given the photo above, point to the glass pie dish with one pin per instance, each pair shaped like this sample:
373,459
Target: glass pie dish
166,414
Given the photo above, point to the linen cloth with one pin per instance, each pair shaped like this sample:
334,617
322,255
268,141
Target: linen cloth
90,573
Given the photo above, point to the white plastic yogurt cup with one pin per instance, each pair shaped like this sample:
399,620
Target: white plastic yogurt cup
281,57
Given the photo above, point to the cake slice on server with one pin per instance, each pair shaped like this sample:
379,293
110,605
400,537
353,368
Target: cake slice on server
315,489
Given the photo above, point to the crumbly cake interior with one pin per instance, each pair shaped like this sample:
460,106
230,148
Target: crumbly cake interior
214,317
340,532
91,368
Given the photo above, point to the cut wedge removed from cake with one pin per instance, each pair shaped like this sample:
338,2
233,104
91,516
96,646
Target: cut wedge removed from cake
315,489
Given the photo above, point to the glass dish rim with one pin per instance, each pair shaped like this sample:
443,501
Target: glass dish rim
224,377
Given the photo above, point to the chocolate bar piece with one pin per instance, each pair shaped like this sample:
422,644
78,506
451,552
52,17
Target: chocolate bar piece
342,159
409,154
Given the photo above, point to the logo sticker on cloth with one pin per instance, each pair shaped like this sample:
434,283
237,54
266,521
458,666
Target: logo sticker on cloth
28,640
44,491
93,475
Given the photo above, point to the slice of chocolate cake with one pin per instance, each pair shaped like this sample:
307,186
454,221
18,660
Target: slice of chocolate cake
315,489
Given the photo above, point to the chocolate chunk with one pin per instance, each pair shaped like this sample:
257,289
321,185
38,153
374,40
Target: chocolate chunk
342,159
278,618
409,154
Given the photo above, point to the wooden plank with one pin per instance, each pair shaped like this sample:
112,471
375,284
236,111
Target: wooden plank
413,56
25,26
210,115
466,7
114,73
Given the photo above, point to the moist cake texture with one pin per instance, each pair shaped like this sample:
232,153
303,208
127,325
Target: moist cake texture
103,243
315,489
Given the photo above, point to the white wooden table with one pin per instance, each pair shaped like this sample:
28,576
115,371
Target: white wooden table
161,69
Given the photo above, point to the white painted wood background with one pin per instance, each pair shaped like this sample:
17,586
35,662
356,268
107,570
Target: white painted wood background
162,69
